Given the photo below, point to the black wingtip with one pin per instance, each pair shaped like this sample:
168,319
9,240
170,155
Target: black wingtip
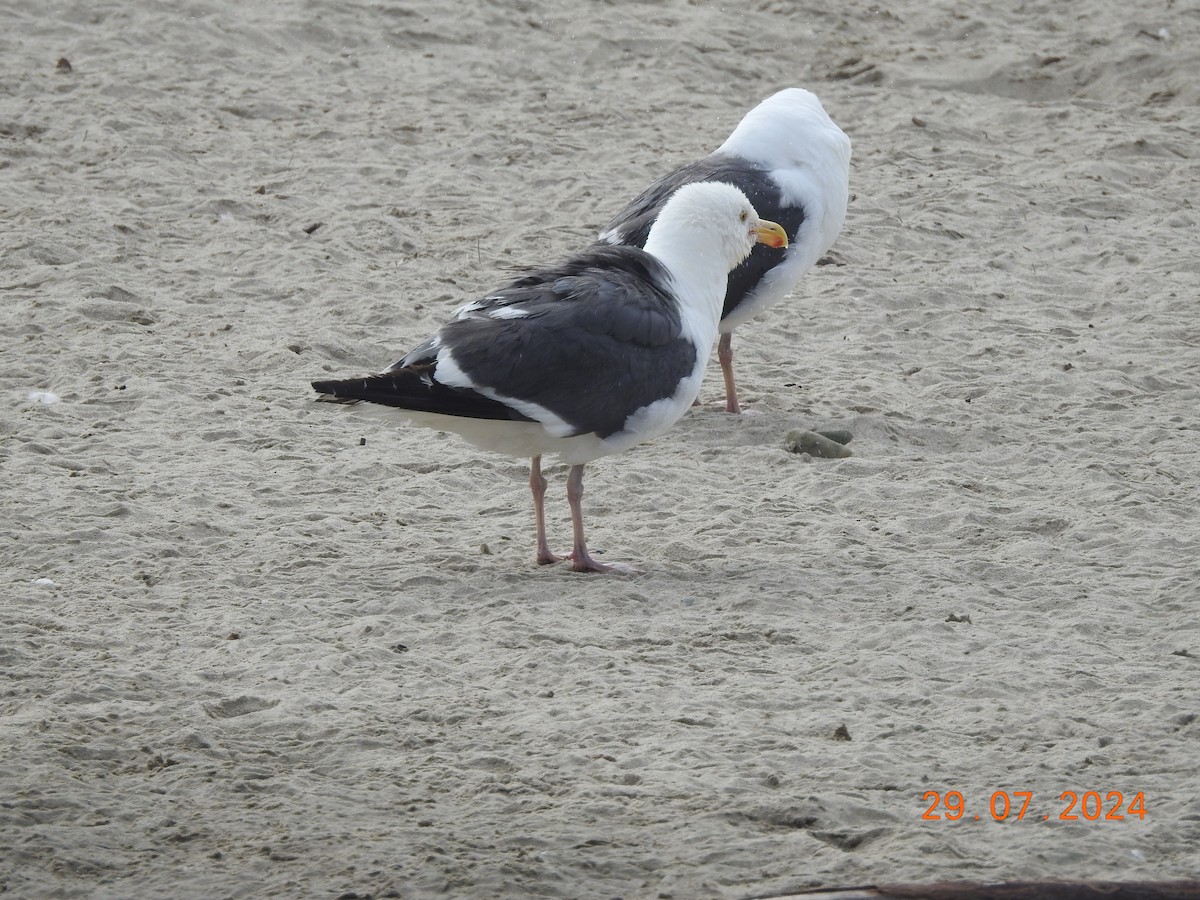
410,389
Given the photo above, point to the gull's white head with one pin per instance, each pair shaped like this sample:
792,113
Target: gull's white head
712,219
790,128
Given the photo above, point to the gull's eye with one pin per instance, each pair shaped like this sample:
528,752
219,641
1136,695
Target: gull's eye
742,216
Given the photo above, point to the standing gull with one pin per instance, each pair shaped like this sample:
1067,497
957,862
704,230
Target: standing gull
582,359
793,163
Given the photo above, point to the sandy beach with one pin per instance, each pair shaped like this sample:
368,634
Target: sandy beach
255,646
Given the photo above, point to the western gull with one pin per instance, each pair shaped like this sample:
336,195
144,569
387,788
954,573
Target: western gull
582,359
793,163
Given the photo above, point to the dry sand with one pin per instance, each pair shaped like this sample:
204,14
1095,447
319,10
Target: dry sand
246,654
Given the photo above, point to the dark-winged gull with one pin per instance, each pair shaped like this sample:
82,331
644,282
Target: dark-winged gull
793,163
582,359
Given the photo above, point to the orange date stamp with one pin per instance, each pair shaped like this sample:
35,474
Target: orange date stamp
1072,806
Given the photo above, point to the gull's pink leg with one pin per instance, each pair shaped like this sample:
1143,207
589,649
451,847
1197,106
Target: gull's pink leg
581,560
725,358
537,484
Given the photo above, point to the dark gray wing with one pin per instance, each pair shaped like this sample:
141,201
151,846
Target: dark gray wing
592,340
